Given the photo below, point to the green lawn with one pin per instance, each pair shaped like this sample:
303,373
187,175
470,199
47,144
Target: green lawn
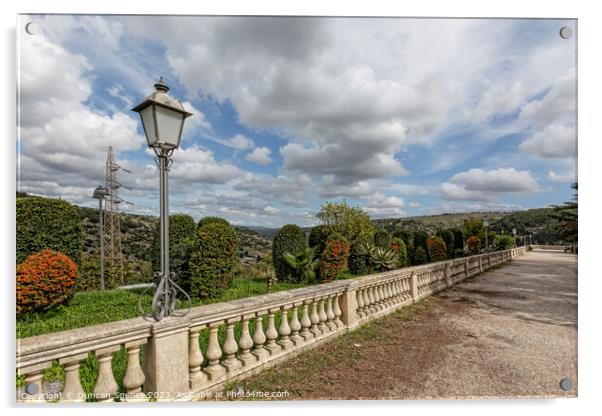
90,308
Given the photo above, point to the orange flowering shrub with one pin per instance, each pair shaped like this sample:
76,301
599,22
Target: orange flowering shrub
473,245
437,249
44,279
334,258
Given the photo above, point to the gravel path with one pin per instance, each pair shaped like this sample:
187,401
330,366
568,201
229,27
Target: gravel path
510,332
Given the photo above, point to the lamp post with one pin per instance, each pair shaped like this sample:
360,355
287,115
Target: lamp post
100,193
514,234
486,225
163,120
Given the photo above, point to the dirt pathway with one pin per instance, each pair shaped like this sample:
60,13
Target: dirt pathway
510,332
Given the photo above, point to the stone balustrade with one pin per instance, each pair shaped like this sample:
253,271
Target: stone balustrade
176,358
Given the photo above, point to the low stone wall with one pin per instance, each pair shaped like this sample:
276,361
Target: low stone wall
240,337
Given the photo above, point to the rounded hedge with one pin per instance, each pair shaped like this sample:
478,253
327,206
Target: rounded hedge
182,235
211,220
213,260
358,259
44,280
437,248
44,223
420,256
448,238
289,238
317,238
382,239
334,258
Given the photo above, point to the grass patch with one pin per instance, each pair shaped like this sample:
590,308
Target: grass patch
91,308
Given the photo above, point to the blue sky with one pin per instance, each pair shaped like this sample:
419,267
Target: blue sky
400,116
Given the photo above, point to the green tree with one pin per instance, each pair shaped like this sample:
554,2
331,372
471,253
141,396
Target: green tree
291,239
213,260
266,268
420,237
566,217
502,242
304,262
473,227
353,223
458,240
210,220
437,248
420,256
317,238
44,223
382,238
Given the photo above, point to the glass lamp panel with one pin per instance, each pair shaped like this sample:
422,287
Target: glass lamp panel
149,125
169,123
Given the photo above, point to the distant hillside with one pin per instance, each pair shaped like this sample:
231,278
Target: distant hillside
431,223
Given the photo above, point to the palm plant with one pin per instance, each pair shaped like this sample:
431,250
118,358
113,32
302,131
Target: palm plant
304,263
383,259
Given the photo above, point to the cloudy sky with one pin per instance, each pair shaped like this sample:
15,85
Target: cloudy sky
400,116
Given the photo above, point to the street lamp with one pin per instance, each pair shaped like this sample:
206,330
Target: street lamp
163,120
100,193
486,224
514,233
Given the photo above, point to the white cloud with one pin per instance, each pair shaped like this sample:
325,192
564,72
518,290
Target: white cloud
195,165
566,177
238,142
499,180
498,99
553,142
290,190
453,192
260,155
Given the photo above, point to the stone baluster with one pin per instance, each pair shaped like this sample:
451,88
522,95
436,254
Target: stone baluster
259,340
397,291
72,390
336,308
378,298
106,386
195,358
330,314
246,343
366,301
271,334
134,376
214,369
360,302
371,308
322,315
284,330
306,322
230,348
33,381
466,268
315,319
295,325
389,291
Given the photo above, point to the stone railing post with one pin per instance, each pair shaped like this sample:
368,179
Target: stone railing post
166,366
195,358
349,308
414,285
447,274
134,376
106,386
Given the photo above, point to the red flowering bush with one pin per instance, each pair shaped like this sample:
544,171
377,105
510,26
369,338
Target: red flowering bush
473,245
437,249
44,280
334,258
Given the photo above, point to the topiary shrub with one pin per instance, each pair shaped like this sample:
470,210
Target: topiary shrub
44,280
398,247
420,256
382,239
182,235
502,242
291,239
213,260
334,258
359,259
458,240
210,220
44,223
448,238
437,249
317,238
473,245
